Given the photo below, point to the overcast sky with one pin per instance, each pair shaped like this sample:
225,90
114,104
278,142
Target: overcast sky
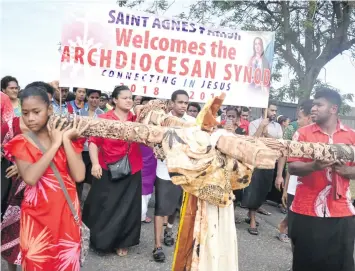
31,29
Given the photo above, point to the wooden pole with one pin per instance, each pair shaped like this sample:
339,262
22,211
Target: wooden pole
265,113
60,101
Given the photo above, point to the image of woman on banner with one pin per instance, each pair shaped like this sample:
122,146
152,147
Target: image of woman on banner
259,61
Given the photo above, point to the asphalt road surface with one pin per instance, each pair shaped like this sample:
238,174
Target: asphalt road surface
256,253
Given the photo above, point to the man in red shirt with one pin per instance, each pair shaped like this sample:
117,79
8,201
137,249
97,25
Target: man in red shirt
322,217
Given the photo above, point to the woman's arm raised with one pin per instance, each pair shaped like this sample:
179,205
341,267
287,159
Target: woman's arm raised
31,173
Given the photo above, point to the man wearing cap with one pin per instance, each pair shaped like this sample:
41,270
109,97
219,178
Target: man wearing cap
104,103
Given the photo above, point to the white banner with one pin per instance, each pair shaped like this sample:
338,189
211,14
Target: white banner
154,56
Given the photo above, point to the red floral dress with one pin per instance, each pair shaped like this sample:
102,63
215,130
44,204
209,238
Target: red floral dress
49,236
10,225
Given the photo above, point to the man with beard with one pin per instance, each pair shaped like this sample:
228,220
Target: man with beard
322,217
262,179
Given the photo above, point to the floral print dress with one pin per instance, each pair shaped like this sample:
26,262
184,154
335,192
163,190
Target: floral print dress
49,236
10,225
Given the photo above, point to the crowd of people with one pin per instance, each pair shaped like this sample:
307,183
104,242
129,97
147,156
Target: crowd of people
321,227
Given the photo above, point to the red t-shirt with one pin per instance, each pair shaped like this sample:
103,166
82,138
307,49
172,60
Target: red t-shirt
112,150
315,192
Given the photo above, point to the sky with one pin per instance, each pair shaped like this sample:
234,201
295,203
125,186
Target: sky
31,30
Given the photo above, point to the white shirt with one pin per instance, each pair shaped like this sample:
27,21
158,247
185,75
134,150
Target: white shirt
292,185
162,170
273,128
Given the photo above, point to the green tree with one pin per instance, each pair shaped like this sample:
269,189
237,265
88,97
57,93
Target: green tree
309,34
157,7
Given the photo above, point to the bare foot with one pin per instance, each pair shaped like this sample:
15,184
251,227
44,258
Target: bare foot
147,220
263,211
122,252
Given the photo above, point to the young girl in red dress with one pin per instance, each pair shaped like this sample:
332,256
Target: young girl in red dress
49,236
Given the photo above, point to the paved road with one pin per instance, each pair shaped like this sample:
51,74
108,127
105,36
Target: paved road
263,252
256,253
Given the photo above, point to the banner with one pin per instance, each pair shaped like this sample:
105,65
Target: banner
108,46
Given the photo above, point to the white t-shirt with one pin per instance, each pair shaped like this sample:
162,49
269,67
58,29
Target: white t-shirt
162,170
292,185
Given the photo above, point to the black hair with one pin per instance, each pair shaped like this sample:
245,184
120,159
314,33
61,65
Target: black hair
271,102
147,99
50,90
245,109
178,92
35,91
330,95
306,107
134,96
70,97
232,108
281,119
118,90
104,95
91,91
195,105
6,80
75,89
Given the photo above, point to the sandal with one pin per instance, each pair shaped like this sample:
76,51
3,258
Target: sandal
247,220
283,237
158,255
253,231
147,220
263,211
122,252
283,209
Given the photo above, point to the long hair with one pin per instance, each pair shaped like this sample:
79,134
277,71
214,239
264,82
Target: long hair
262,46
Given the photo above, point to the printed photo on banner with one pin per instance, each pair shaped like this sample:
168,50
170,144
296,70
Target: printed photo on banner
154,56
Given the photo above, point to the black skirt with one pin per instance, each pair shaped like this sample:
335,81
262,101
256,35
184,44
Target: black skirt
322,244
275,195
88,176
113,210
